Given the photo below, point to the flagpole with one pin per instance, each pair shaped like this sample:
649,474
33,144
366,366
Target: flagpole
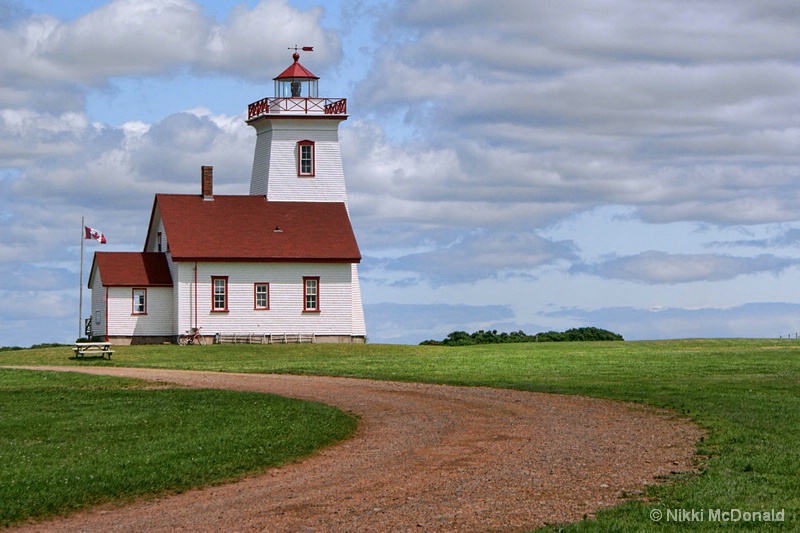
80,292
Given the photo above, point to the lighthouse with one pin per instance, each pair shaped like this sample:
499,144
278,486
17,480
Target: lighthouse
277,265
297,155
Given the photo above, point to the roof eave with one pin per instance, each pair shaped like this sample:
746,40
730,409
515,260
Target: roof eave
148,285
92,270
187,259
150,223
296,116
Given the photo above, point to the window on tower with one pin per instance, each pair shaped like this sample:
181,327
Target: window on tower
305,158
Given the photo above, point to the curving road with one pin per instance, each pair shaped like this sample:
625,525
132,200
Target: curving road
425,458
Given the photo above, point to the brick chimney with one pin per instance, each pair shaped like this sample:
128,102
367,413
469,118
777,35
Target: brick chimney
207,182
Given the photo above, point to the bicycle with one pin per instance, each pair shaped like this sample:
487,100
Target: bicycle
192,336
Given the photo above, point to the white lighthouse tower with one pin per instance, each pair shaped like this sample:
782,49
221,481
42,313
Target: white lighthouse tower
297,156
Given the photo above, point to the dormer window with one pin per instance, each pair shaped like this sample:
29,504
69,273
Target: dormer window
305,158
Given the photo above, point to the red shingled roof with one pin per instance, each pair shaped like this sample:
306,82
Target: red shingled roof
132,269
295,70
243,228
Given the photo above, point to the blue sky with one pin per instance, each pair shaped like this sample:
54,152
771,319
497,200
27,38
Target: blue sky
512,165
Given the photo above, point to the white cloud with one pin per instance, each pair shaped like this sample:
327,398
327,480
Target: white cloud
251,41
757,319
598,30
75,158
658,267
482,256
51,64
124,37
684,111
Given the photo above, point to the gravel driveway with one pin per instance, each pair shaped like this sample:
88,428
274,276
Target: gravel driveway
425,458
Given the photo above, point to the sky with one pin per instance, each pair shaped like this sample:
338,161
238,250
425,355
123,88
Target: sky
510,165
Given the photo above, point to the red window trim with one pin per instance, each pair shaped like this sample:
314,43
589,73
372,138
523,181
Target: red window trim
255,296
305,294
312,144
133,301
213,285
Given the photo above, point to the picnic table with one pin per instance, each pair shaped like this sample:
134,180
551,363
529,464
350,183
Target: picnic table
92,348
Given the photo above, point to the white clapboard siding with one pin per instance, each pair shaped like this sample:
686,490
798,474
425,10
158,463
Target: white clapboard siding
258,179
151,245
285,314
98,306
359,323
174,270
275,162
122,321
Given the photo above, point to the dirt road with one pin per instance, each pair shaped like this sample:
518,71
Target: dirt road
425,458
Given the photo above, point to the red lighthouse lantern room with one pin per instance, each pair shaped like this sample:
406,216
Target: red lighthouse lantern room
296,93
296,81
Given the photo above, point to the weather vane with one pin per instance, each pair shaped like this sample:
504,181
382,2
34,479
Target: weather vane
304,48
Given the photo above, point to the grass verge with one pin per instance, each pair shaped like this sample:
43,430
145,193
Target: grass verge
746,393
69,440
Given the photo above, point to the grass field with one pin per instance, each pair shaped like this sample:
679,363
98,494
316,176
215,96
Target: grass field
70,440
746,393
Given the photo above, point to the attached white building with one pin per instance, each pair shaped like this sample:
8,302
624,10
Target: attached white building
278,263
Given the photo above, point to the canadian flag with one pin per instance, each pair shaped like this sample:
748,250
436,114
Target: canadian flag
94,234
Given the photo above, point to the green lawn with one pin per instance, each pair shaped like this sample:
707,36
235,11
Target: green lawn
746,393
69,440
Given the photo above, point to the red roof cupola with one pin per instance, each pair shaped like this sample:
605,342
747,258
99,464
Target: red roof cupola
291,82
297,92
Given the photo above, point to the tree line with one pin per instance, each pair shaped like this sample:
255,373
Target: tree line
462,338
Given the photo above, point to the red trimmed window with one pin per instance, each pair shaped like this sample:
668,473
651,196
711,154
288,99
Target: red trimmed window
139,302
311,295
305,158
219,293
261,296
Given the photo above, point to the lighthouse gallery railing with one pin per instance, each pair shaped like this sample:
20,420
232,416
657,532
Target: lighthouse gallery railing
268,106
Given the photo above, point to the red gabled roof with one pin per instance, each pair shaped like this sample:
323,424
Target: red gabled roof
296,70
243,228
132,269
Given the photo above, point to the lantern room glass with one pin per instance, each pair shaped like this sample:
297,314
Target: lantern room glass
297,88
